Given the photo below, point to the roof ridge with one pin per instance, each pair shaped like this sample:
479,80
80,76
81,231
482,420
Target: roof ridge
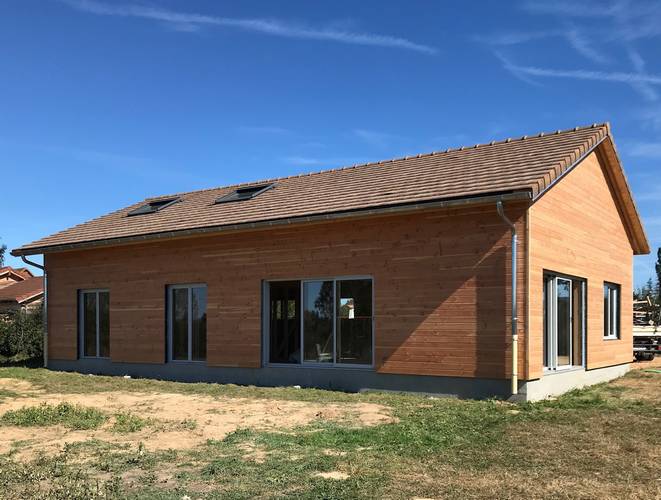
595,125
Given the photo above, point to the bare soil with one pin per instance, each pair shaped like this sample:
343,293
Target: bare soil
171,416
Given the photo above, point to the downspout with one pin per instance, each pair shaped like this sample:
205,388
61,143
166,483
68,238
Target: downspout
515,335
45,312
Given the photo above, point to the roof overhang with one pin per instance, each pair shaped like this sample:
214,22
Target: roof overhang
482,199
607,153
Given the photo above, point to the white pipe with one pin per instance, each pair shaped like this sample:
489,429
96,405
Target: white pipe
515,336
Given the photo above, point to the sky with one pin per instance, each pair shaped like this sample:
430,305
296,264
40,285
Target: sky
105,103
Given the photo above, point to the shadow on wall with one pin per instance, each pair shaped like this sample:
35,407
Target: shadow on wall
463,301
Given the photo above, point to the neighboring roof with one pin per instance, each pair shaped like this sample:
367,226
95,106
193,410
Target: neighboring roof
522,168
23,291
19,273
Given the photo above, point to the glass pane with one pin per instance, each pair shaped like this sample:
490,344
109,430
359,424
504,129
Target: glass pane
284,329
564,321
547,318
89,324
179,323
318,321
199,325
615,306
577,326
607,321
104,324
354,322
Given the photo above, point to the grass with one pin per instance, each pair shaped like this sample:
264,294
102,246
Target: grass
596,442
68,415
127,422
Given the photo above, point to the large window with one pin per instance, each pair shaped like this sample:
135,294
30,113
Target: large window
564,321
94,323
611,311
326,322
187,322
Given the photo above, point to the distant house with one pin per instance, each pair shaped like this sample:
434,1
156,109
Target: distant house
10,275
392,275
19,289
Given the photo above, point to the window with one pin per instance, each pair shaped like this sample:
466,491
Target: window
335,324
245,193
153,206
94,323
611,311
564,321
187,322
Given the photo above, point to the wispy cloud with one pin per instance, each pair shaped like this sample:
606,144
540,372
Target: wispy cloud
575,37
268,130
375,138
273,27
581,44
645,149
641,82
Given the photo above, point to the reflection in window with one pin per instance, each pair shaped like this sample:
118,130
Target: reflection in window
611,311
94,321
354,322
187,322
318,321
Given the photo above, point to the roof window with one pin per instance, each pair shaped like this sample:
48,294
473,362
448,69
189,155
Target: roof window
245,193
153,206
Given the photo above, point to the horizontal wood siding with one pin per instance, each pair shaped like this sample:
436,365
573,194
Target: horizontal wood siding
576,229
440,282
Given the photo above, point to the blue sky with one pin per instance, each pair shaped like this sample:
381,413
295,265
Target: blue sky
106,103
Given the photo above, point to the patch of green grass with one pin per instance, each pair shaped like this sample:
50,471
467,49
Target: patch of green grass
66,414
592,442
127,422
6,393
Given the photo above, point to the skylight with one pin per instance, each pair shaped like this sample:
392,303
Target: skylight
244,193
153,206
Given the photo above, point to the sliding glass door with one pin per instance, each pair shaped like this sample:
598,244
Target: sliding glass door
320,322
564,321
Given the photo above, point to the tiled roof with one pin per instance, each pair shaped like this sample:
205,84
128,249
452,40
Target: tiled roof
20,272
527,164
22,290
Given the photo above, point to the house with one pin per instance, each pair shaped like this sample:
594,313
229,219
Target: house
10,275
251,284
19,289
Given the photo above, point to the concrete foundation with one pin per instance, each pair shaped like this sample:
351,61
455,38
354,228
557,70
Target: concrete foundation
559,382
347,379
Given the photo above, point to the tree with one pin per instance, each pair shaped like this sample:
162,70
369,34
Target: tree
3,249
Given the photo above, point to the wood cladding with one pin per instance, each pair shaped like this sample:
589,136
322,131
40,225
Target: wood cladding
440,281
576,228
441,288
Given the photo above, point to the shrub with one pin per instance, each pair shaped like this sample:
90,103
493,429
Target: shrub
22,334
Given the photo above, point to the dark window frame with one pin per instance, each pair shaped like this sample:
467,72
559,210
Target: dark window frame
153,206
609,289
311,364
81,323
189,331
245,193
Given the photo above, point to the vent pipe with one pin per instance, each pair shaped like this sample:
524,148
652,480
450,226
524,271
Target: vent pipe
514,270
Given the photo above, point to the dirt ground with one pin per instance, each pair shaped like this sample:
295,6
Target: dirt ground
178,421
641,365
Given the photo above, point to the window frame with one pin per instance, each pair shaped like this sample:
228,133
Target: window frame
549,351
81,323
168,313
312,364
608,334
